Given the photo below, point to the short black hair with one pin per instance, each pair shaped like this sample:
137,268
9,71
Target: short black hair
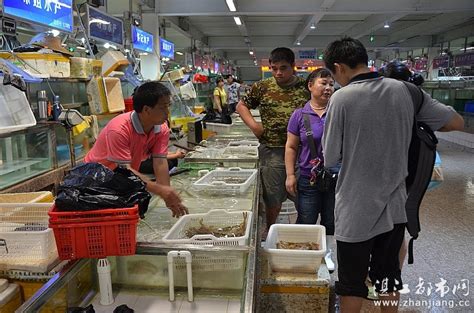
318,73
148,94
347,51
282,54
219,79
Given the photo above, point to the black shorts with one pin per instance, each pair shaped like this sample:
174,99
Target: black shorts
379,254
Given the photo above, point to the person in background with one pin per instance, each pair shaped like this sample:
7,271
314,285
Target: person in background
310,201
232,89
277,98
132,137
220,97
368,130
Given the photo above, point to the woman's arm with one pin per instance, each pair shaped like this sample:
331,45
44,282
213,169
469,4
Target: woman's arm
291,151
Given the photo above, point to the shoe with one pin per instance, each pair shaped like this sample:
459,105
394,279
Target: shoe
329,262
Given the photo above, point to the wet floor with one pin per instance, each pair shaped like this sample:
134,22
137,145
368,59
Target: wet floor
443,272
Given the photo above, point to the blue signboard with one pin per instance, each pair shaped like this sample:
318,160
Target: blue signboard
166,49
104,27
307,54
52,13
142,40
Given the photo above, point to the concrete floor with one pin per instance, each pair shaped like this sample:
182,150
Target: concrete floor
444,250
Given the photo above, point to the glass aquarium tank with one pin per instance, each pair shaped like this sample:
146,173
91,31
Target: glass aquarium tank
25,154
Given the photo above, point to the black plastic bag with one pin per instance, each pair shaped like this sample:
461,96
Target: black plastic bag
92,186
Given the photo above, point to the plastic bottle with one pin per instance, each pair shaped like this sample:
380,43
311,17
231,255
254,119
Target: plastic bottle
56,108
105,282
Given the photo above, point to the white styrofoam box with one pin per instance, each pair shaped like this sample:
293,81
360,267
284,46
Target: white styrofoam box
218,127
213,182
288,213
113,61
15,111
215,218
290,260
245,143
42,65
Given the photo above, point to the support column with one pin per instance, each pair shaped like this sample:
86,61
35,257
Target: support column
150,64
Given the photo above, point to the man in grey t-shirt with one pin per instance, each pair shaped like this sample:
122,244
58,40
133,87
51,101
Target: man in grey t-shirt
368,131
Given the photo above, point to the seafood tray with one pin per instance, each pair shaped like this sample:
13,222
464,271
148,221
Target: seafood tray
216,227
292,260
232,180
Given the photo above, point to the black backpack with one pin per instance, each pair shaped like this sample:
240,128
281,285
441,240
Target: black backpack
421,159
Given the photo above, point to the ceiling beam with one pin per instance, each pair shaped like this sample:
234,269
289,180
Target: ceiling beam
463,31
193,31
371,24
304,29
267,43
309,7
434,25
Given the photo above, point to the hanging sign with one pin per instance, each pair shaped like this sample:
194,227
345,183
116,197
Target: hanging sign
52,13
440,62
465,59
141,40
166,49
104,27
307,54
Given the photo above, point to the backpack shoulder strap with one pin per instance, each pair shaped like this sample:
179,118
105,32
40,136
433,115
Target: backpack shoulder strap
416,96
309,136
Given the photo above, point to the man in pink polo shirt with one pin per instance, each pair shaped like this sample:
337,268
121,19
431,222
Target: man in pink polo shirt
132,137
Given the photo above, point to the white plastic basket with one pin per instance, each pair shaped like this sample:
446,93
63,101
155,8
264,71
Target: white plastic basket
25,239
240,151
208,263
214,181
246,143
290,260
288,213
216,218
219,127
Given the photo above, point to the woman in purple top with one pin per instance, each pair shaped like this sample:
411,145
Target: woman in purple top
310,201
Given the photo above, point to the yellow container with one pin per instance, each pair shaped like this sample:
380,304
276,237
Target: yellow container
198,109
174,75
28,288
80,67
113,92
27,197
96,67
113,61
40,64
97,96
10,299
184,122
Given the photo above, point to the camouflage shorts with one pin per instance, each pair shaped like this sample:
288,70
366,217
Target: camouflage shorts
273,175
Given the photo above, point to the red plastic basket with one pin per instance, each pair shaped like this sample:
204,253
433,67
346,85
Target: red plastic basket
128,104
94,234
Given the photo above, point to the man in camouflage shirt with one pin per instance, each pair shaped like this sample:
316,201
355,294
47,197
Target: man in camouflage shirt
276,97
